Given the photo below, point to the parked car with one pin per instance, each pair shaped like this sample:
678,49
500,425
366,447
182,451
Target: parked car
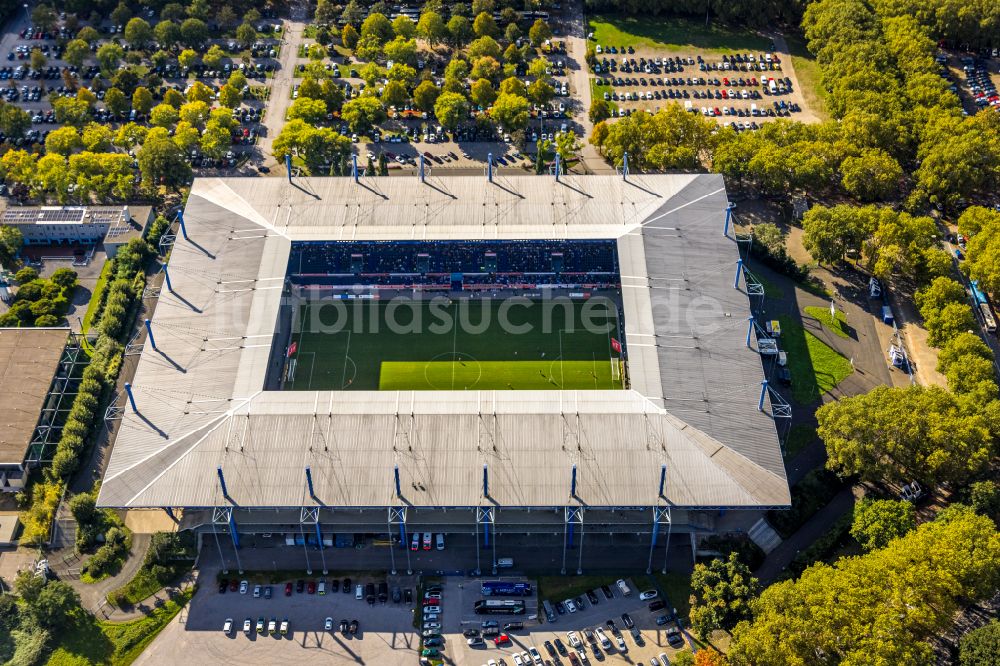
647,595
227,626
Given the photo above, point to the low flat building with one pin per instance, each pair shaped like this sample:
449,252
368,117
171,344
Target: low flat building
78,225
30,361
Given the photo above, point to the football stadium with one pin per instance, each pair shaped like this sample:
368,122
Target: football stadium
502,360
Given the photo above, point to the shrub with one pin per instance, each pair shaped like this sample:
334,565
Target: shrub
809,495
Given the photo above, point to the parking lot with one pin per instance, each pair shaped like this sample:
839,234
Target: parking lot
539,633
739,89
385,630
385,633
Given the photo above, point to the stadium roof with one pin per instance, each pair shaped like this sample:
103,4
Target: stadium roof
692,405
29,358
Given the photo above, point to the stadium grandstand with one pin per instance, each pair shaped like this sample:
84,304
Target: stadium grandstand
280,397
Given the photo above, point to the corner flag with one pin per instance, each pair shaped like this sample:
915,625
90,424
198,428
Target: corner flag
617,346
292,348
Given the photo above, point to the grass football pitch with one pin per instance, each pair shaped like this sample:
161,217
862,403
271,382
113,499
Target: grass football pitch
550,350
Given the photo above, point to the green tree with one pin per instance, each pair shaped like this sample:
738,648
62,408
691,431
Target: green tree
401,50
316,146
213,57
246,34
37,59
142,100
877,522
403,26
872,175
722,591
167,33
362,113
482,93
982,226
26,275
215,140
14,121
877,608
394,94
485,46
97,138
949,321
161,162
829,233
230,97
511,112
194,32
599,110
981,646
485,26
71,111
349,36
109,55
138,33
163,115
539,32
450,108
540,92
378,26
76,53
485,68
425,94
310,110
431,27
11,242
187,58
64,277
902,434
459,31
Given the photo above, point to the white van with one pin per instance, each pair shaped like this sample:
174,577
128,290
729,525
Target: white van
359,592
504,562
624,587
440,542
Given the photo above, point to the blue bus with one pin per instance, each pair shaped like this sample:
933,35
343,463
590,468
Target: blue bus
499,588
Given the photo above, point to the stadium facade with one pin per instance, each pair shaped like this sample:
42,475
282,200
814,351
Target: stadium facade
203,438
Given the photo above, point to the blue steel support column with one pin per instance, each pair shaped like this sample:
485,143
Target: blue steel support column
222,482
625,165
749,329
131,398
395,472
354,167
486,481
184,231
421,167
739,272
729,215
663,479
233,533
489,167
558,167
572,483
149,333
166,276
309,482
763,394
170,512
288,166
486,534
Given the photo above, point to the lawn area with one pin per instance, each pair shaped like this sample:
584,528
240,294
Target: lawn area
97,296
836,325
816,368
799,437
421,345
808,76
557,588
673,34
597,92
145,584
470,374
89,641
771,290
677,587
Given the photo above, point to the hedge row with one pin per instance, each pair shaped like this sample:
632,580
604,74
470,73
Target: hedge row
823,547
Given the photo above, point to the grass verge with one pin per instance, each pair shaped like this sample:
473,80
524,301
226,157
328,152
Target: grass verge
146,583
89,641
816,368
673,34
97,296
799,437
836,325
808,76
558,588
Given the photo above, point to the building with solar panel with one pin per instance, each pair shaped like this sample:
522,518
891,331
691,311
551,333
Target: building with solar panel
79,225
260,420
